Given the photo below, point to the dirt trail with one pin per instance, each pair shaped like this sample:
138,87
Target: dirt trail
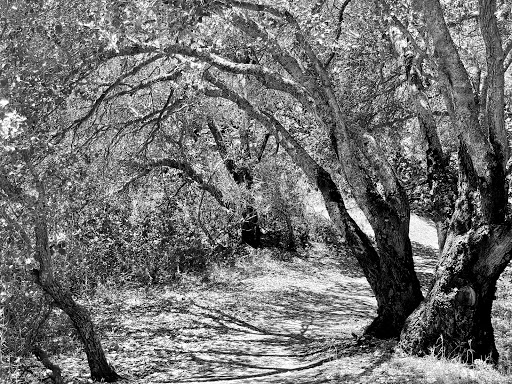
283,322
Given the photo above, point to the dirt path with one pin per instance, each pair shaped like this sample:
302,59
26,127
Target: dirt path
281,322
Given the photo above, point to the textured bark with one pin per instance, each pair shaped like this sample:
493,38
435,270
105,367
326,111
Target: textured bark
100,369
262,147
244,127
455,318
381,197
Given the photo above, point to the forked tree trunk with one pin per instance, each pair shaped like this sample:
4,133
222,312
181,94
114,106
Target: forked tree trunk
390,275
388,213
100,369
384,202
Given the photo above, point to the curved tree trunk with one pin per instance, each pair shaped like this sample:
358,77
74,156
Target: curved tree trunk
389,268
383,200
100,369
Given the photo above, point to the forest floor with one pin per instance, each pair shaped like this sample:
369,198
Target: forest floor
266,320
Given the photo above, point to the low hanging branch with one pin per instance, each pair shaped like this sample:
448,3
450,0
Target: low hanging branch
188,171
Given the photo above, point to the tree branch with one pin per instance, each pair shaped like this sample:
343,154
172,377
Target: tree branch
78,122
341,14
217,136
146,84
287,61
457,81
188,171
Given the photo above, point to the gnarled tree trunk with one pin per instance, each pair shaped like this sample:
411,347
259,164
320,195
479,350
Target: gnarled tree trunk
390,273
455,318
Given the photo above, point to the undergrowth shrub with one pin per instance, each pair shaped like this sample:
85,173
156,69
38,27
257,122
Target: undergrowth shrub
149,245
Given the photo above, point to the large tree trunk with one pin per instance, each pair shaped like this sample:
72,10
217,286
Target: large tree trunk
386,208
100,369
388,212
390,275
383,200
456,316
389,268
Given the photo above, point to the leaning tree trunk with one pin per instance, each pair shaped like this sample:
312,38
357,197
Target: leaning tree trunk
366,169
388,212
389,269
100,369
315,91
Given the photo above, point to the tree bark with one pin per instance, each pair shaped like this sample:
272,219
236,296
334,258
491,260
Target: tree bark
381,197
455,318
